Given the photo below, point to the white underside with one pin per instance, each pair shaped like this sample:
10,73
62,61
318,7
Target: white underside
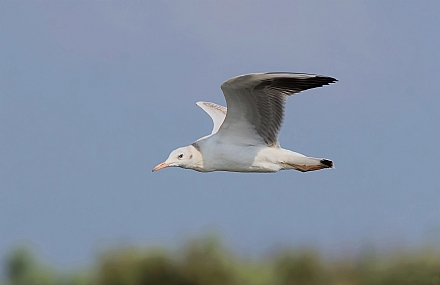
249,158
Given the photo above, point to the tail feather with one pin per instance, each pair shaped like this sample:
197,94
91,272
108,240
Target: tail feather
327,162
311,164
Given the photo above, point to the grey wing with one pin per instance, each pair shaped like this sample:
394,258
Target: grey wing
216,112
256,103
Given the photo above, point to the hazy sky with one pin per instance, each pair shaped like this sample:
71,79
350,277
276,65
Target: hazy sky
94,94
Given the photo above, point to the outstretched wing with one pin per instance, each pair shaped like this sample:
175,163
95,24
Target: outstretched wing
216,112
256,104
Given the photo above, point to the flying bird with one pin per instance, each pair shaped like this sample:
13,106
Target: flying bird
245,134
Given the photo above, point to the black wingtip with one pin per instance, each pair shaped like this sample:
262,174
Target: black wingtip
326,80
328,163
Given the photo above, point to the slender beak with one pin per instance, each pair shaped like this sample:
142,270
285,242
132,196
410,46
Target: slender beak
160,166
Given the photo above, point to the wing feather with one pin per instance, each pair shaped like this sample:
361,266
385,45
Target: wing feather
256,104
216,112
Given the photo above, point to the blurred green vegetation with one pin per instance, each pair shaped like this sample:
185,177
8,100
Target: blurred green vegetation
208,262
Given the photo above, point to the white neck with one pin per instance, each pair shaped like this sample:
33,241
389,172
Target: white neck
197,157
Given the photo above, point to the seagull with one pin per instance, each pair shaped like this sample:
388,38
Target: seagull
245,134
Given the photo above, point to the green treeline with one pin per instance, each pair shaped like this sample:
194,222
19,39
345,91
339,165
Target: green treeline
207,262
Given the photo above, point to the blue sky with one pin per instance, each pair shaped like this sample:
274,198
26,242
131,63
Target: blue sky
94,94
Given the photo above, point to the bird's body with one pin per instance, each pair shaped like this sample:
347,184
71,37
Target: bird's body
245,136
246,158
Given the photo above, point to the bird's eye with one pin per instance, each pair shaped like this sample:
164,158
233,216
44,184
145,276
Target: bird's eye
180,156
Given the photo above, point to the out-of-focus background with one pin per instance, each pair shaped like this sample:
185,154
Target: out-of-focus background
94,94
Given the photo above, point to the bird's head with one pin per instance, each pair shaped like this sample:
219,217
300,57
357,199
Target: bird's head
185,157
